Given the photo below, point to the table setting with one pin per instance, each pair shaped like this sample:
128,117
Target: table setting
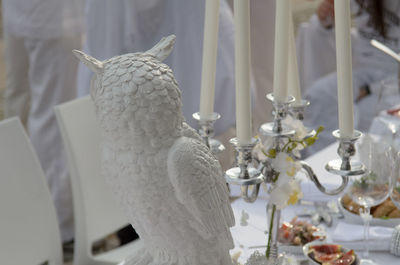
342,229
285,209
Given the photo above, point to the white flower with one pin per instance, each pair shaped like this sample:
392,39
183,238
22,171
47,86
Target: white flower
296,125
285,194
269,143
258,152
284,164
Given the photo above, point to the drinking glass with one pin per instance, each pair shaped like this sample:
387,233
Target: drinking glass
395,191
387,103
373,187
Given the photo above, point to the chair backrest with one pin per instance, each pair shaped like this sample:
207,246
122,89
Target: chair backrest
95,210
29,232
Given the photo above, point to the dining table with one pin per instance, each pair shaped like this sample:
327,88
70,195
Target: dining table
250,232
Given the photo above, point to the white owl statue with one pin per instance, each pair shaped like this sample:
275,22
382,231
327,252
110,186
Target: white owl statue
169,184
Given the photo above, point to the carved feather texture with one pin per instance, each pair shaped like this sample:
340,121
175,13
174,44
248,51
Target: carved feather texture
166,180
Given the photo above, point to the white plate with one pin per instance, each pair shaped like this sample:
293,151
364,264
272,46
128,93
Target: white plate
291,249
313,243
353,218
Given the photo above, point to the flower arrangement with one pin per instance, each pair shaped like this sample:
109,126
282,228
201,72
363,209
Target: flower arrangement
282,157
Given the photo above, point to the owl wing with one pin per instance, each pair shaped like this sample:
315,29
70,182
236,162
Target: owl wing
200,186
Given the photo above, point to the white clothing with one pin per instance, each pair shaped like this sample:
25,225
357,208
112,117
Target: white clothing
42,19
316,45
367,55
317,67
120,27
41,73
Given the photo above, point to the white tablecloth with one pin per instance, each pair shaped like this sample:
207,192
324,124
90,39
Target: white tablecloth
247,238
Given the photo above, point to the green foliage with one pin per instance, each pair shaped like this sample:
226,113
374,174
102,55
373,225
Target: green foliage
365,181
293,143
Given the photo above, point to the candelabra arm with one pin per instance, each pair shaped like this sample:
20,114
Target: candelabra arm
313,177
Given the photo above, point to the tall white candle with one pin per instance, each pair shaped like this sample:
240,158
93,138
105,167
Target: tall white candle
293,72
210,44
344,67
281,49
242,71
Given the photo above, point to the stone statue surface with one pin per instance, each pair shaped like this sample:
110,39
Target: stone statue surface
169,184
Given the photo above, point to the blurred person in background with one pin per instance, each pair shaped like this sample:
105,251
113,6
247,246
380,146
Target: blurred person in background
39,36
262,15
373,19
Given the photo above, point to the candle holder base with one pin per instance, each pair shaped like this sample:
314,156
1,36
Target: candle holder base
267,129
334,167
232,176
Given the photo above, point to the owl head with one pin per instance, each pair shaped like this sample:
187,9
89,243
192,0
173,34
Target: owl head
136,92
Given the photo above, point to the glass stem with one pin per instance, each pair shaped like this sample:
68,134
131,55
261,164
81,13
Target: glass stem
366,220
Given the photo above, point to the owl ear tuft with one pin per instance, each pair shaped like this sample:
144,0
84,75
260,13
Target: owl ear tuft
163,48
95,65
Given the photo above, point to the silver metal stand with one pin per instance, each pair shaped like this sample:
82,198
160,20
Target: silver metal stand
247,176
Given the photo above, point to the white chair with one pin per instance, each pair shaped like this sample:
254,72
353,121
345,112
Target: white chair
96,212
29,232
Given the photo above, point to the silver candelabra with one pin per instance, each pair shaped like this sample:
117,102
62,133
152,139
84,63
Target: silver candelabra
250,178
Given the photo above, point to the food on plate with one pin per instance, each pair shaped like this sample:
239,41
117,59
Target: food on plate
297,232
384,210
331,254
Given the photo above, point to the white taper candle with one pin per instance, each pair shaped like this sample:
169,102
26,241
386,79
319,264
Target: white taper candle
344,67
210,45
293,72
242,71
281,49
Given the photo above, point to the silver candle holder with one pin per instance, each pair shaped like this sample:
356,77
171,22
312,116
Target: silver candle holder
206,131
343,167
280,111
297,110
245,174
